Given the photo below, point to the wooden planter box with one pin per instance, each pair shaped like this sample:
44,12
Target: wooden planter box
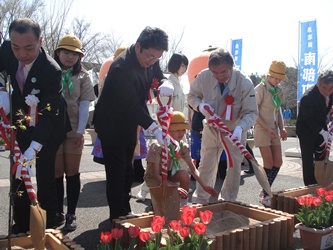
274,231
286,200
54,240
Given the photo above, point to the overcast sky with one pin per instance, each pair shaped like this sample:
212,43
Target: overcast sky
269,29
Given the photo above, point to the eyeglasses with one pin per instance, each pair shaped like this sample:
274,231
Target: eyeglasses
150,57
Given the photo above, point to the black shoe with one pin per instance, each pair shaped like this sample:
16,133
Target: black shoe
70,222
250,171
59,220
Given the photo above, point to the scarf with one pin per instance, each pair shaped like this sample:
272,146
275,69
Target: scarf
66,81
275,97
175,156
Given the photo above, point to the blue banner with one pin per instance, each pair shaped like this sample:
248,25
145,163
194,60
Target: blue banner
236,51
308,57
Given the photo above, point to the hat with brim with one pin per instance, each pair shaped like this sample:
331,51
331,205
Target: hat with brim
72,43
178,122
277,70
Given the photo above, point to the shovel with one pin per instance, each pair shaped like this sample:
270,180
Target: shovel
37,214
258,170
324,169
165,197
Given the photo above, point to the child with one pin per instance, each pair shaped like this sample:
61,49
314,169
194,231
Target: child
153,176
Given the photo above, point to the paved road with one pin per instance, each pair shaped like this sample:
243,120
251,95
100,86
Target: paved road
92,211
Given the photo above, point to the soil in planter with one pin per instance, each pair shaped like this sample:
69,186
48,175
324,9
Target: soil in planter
228,221
221,222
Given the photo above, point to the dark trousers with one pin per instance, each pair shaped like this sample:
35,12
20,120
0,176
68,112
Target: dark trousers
310,151
119,178
46,191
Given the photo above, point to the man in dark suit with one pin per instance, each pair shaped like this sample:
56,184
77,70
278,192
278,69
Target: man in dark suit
311,124
41,78
122,107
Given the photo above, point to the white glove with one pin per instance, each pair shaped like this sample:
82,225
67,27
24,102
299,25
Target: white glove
159,137
326,135
4,101
203,110
237,134
166,89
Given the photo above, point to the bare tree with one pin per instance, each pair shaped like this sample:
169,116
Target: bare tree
12,9
174,46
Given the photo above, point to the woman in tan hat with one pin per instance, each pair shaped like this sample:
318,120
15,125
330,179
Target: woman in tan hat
78,92
153,178
269,127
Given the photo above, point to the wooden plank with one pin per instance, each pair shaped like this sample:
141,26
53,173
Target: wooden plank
25,242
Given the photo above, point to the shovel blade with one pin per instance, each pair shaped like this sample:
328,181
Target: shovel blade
261,177
166,201
37,226
324,172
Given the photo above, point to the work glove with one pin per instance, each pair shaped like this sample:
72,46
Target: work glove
166,89
237,134
203,110
4,101
159,137
325,134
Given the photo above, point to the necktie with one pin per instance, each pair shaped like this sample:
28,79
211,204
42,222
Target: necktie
275,96
221,87
327,99
20,76
66,80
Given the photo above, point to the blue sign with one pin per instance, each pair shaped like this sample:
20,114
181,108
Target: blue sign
236,51
308,61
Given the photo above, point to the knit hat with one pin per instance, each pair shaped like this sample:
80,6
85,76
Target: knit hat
277,70
118,51
72,43
178,122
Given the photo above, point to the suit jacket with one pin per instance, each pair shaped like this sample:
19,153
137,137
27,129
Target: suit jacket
122,105
44,79
312,117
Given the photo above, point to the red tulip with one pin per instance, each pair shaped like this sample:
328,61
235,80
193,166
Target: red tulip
184,232
189,210
175,225
156,226
329,198
199,228
206,216
187,219
321,191
159,219
106,237
133,231
117,233
301,200
317,201
144,236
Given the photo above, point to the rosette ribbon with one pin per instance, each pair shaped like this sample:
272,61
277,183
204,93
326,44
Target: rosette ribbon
229,100
153,87
32,101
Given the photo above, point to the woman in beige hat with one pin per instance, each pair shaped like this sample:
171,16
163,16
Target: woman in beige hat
78,92
269,127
